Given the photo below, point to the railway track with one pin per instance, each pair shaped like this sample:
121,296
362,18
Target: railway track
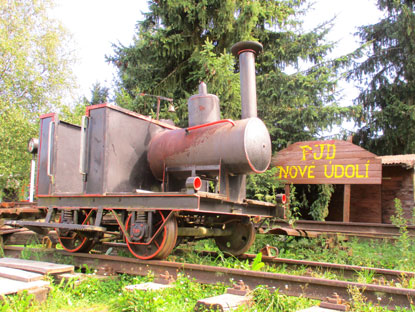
21,237
315,228
344,270
314,288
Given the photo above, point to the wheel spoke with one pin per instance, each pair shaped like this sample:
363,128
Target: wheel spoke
161,245
74,242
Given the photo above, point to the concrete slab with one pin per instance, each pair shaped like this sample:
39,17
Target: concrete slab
36,266
9,286
225,302
148,286
78,278
20,275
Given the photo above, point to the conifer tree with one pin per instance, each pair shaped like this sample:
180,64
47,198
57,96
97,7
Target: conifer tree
183,42
387,76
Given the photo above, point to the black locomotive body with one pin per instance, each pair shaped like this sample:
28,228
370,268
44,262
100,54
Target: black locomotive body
124,176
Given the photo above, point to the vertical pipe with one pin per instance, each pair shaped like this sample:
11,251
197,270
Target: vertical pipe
246,51
32,148
32,179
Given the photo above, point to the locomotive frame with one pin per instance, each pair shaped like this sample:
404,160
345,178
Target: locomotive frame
114,190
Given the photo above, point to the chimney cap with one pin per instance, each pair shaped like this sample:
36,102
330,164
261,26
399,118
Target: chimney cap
239,47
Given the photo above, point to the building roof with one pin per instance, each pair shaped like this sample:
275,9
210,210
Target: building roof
407,161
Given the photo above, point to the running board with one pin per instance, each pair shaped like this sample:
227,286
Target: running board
64,226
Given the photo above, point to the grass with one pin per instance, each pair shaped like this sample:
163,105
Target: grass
372,253
108,295
95,295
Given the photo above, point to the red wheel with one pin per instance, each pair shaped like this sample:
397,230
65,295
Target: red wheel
75,241
161,246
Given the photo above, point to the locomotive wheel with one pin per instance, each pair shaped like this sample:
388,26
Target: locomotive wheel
74,241
243,235
162,245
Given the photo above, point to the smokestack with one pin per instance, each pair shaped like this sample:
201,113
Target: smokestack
246,51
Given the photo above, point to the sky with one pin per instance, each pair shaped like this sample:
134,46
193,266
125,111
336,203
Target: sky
95,26
98,24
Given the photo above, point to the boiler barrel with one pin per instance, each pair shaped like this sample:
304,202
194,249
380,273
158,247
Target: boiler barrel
243,146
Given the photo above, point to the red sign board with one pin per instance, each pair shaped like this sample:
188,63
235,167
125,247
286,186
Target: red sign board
327,162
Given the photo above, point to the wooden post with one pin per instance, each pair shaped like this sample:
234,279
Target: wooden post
287,189
346,194
346,203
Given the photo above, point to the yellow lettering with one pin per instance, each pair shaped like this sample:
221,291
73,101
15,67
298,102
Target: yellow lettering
321,151
310,173
336,174
302,172
306,151
325,171
293,176
367,169
347,171
333,154
359,176
282,171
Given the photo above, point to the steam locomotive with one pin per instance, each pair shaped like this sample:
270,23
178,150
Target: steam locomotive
125,176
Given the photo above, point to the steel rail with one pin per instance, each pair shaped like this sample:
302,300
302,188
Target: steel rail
305,227
347,271
314,288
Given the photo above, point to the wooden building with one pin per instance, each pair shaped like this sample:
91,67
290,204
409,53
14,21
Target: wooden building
376,203
397,182
365,185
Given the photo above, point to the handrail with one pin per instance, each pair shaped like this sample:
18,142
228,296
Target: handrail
49,167
84,125
211,124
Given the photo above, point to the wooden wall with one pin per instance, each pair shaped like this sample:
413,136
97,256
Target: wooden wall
375,203
397,182
365,204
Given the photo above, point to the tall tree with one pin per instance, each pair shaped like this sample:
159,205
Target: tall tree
387,76
74,113
34,76
180,43
99,94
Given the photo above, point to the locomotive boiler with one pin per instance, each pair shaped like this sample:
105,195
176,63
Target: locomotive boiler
122,176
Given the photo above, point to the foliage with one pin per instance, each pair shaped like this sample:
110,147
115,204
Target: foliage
100,94
404,241
292,211
313,199
264,186
387,78
20,302
73,114
319,209
34,77
257,264
217,71
265,300
374,253
108,295
182,297
181,43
